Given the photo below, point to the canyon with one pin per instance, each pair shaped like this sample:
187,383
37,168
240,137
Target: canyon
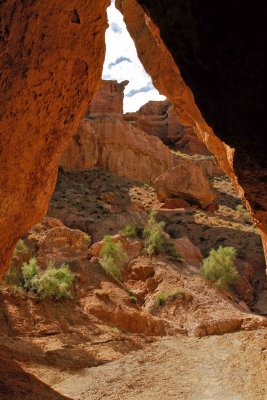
29,65
78,176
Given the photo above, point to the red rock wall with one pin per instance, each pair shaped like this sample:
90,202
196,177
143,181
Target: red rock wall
109,142
51,58
159,118
108,99
244,160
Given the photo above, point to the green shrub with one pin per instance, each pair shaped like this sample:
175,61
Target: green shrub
154,235
219,267
243,213
156,239
180,292
174,294
21,248
130,231
29,270
53,282
162,298
132,296
113,257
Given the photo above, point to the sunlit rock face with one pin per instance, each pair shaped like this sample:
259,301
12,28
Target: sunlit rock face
51,58
109,98
159,118
215,53
105,140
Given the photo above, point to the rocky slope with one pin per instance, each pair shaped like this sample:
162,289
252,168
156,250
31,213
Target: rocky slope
60,346
89,334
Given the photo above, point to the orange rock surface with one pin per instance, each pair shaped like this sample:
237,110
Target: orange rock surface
51,57
109,98
186,181
127,152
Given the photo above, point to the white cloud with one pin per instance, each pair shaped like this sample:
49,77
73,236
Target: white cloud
121,63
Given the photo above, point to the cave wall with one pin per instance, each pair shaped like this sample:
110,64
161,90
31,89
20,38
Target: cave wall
208,59
51,58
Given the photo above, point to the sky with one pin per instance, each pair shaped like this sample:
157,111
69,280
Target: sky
121,63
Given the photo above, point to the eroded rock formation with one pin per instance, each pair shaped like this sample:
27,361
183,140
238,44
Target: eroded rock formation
51,58
159,118
106,140
219,54
111,143
108,99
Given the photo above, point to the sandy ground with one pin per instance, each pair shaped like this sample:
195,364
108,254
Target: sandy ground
226,367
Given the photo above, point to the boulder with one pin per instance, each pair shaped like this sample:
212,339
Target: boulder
133,247
175,202
212,207
186,181
62,245
188,251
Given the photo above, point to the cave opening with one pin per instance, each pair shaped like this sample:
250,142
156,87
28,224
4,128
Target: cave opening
122,64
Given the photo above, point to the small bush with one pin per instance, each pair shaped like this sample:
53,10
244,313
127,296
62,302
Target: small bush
29,270
113,258
132,296
132,231
219,267
162,298
243,213
21,248
173,295
180,292
156,239
53,282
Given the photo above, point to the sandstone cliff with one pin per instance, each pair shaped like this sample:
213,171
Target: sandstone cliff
109,142
159,118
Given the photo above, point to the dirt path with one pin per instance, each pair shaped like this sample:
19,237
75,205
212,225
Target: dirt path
228,367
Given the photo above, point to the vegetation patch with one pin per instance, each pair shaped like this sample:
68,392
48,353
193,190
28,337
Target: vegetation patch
219,267
113,258
173,295
21,248
243,213
52,282
156,239
133,231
